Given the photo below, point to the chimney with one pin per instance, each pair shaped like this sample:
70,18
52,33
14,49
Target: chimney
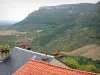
4,54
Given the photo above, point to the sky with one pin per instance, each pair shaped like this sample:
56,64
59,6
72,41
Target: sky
17,10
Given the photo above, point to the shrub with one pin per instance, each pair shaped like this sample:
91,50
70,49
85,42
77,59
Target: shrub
85,29
88,67
71,62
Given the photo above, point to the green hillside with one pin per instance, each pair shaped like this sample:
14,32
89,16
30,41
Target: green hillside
64,27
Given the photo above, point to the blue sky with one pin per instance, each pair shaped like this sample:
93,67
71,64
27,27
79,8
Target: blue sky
17,10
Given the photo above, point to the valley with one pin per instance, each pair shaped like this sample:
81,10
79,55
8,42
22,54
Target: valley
73,30
63,27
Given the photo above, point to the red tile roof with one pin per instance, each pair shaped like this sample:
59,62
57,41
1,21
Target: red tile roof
34,67
22,44
60,55
54,52
27,46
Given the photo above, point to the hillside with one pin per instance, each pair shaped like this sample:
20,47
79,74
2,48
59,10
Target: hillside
63,27
90,51
57,14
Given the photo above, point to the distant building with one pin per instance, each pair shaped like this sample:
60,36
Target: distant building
38,31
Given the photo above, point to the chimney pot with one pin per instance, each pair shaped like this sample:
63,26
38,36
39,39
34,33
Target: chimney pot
4,54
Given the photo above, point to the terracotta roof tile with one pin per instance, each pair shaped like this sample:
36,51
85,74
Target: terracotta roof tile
34,67
54,52
60,55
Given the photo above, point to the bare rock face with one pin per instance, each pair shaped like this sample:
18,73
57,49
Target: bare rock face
98,4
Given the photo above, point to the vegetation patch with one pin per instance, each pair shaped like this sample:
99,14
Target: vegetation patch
82,63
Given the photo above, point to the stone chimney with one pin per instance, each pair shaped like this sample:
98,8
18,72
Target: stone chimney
4,53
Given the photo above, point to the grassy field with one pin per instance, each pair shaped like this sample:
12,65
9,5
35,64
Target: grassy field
11,37
90,51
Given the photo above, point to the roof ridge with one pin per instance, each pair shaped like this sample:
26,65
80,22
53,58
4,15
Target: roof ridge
33,52
63,67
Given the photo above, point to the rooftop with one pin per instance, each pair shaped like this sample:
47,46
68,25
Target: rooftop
58,63
35,67
17,58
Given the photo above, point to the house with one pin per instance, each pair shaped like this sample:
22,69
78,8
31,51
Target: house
35,67
26,62
17,58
